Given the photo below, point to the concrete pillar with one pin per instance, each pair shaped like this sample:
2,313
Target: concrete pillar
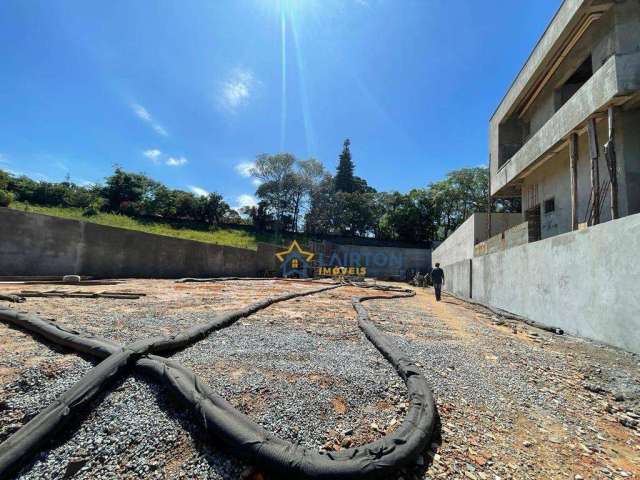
573,173
594,151
610,156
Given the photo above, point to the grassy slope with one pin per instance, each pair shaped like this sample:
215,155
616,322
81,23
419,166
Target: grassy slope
222,236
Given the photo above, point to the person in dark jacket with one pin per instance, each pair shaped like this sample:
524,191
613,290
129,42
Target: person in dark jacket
437,278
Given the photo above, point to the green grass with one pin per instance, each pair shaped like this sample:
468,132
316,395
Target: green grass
191,231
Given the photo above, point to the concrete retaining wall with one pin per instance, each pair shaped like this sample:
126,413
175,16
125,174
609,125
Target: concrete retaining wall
381,262
518,235
457,278
460,244
266,261
34,244
585,282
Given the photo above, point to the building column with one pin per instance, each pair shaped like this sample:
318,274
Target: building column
595,171
610,157
573,173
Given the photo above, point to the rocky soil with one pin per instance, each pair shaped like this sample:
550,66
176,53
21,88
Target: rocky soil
515,402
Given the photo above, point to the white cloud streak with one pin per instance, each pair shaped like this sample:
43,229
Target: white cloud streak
245,200
152,154
236,91
201,192
244,168
144,115
176,162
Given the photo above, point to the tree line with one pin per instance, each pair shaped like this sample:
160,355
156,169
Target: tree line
126,193
302,196
295,196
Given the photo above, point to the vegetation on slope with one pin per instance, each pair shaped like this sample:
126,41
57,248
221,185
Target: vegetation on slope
186,230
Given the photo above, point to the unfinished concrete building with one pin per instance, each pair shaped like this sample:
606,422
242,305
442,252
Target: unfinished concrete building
566,140
566,136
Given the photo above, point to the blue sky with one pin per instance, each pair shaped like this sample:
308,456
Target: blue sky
190,92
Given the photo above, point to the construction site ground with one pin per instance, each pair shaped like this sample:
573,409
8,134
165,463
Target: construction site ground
514,401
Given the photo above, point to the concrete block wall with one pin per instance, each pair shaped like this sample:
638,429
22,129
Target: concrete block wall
518,235
266,260
460,244
34,244
458,279
381,262
585,282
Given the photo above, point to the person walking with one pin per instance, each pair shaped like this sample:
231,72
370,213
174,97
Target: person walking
437,278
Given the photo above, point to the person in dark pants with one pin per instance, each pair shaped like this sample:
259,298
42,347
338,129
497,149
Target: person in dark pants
437,278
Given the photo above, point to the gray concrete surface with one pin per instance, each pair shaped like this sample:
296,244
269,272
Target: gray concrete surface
34,244
460,244
266,261
457,278
518,235
528,140
380,262
600,89
585,282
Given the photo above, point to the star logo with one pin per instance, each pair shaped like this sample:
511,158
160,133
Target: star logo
295,248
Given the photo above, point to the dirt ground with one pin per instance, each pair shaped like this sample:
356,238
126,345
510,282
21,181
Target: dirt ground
514,401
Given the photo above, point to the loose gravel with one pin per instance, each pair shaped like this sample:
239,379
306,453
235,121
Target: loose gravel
515,402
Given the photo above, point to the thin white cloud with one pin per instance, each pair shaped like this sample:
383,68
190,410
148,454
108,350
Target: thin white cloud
245,200
144,115
176,162
152,154
236,91
62,165
201,192
244,168
141,112
4,159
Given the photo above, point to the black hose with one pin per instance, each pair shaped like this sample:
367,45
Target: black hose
248,439
13,298
509,315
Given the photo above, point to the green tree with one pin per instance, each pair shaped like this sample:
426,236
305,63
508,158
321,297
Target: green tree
5,197
319,218
125,192
259,215
160,202
354,213
308,175
406,217
4,180
186,205
344,174
286,187
455,198
276,172
212,209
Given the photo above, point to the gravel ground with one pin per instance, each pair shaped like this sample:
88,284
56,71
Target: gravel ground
514,401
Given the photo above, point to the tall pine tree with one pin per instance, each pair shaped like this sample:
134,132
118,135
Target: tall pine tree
344,174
